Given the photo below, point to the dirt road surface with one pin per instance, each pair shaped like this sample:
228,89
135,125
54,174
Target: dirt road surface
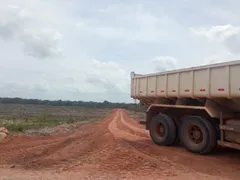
114,148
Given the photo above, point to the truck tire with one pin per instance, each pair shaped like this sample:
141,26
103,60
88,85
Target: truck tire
177,123
163,130
198,135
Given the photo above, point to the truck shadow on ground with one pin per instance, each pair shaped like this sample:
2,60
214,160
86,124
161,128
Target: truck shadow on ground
179,152
224,160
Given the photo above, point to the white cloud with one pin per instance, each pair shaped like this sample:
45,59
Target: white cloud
133,24
218,58
85,50
164,63
43,43
220,33
20,25
108,77
228,34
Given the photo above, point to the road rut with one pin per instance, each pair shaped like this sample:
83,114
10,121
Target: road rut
113,148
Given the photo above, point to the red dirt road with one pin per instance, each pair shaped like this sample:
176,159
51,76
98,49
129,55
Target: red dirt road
114,148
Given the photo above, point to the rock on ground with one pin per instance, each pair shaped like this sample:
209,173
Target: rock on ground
3,133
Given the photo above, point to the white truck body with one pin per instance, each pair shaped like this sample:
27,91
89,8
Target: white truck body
211,81
206,93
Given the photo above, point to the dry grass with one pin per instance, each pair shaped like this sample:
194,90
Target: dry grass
139,116
18,118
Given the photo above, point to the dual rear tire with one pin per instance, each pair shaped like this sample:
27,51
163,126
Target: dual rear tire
196,134
163,130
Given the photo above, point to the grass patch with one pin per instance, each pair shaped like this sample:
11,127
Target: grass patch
15,127
38,123
18,118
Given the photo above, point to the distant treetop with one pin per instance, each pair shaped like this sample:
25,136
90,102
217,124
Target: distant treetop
89,104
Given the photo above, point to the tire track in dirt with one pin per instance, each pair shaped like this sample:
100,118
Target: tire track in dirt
28,155
174,156
148,142
134,128
149,151
119,133
122,134
83,149
54,149
150,158
32,145
115,145
25,141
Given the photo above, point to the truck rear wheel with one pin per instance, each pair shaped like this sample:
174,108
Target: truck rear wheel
198,135
163,130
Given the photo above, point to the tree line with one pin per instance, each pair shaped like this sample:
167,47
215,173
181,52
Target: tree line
86,104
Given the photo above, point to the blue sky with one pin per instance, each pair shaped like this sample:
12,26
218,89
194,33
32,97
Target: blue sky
86,49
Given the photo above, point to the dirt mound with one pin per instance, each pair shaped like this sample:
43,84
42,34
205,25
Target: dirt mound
114,148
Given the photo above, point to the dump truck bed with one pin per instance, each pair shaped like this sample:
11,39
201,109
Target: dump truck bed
220,80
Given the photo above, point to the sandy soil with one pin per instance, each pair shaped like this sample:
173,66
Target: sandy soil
114,148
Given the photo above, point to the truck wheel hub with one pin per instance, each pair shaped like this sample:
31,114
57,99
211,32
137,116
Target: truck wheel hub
195,134
160,130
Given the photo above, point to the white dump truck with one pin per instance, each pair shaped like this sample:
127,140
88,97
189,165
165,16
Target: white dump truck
198,106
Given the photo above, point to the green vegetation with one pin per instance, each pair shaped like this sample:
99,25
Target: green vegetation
20,117
18,114
90,104
37,123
